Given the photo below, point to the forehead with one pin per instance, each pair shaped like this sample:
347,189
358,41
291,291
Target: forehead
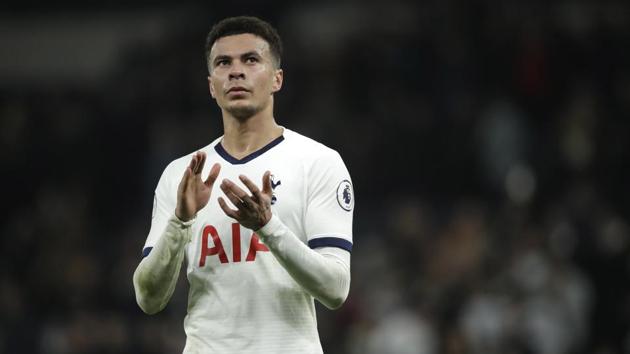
237,44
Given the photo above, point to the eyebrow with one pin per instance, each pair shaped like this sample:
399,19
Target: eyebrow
244,55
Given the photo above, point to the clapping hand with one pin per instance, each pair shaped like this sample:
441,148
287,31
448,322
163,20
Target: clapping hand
193,193
253,211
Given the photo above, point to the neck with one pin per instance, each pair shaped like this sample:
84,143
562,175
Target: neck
244,136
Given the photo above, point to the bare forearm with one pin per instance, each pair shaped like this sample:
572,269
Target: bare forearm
156,276
325,274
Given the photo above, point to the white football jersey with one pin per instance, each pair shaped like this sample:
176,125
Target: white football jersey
241,299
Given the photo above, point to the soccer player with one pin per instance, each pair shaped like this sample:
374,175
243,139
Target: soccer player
262,215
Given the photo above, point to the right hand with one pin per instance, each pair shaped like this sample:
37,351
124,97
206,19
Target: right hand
193,193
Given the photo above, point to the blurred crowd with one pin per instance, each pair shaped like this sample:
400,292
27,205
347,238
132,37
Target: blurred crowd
487,141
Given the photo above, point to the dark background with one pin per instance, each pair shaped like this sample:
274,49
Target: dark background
487,141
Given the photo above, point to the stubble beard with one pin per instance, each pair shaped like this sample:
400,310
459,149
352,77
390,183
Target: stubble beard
243,113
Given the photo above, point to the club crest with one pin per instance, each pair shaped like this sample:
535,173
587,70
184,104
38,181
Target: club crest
274,184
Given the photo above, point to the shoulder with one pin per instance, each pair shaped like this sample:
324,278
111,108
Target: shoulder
308,149
320,162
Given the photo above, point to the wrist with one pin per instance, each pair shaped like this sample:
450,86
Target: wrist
182,216
266,219
178,232
271,227
183,223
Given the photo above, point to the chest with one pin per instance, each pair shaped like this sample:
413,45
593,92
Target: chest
219,242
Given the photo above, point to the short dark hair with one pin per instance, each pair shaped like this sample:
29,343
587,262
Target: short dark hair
246,24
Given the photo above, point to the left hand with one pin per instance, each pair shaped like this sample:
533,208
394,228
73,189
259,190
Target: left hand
253,211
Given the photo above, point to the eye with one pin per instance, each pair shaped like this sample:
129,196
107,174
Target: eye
222,62
251,60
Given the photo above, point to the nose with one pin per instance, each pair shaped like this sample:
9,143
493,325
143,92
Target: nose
236,72
237,75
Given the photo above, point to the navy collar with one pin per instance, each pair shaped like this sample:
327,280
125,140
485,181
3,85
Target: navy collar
234,161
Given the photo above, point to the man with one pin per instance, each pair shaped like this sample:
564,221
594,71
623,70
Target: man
257,255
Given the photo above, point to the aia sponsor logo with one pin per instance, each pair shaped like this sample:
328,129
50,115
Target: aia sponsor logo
211,245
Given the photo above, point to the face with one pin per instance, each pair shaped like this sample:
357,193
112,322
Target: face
243,76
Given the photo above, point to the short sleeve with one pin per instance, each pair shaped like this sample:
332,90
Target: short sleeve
163,209
330,203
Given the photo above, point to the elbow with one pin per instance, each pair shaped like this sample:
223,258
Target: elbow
149,307
333,304
334,296
147,302
333,301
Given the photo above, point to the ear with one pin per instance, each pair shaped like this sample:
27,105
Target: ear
210,86
278,76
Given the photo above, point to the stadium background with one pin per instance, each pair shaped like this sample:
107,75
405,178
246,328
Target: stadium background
487,140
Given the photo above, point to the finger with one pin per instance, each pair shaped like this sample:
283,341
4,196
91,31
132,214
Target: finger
227,210
236,201
231,186
249,202
183,184
212,176
239,203
193,162
251,186
266,180
201,156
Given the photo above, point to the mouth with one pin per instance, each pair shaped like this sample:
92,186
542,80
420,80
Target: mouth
237,90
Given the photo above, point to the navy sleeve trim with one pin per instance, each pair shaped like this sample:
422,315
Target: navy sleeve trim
330,242
146,251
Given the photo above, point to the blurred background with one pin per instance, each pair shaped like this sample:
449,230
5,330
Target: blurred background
487,141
